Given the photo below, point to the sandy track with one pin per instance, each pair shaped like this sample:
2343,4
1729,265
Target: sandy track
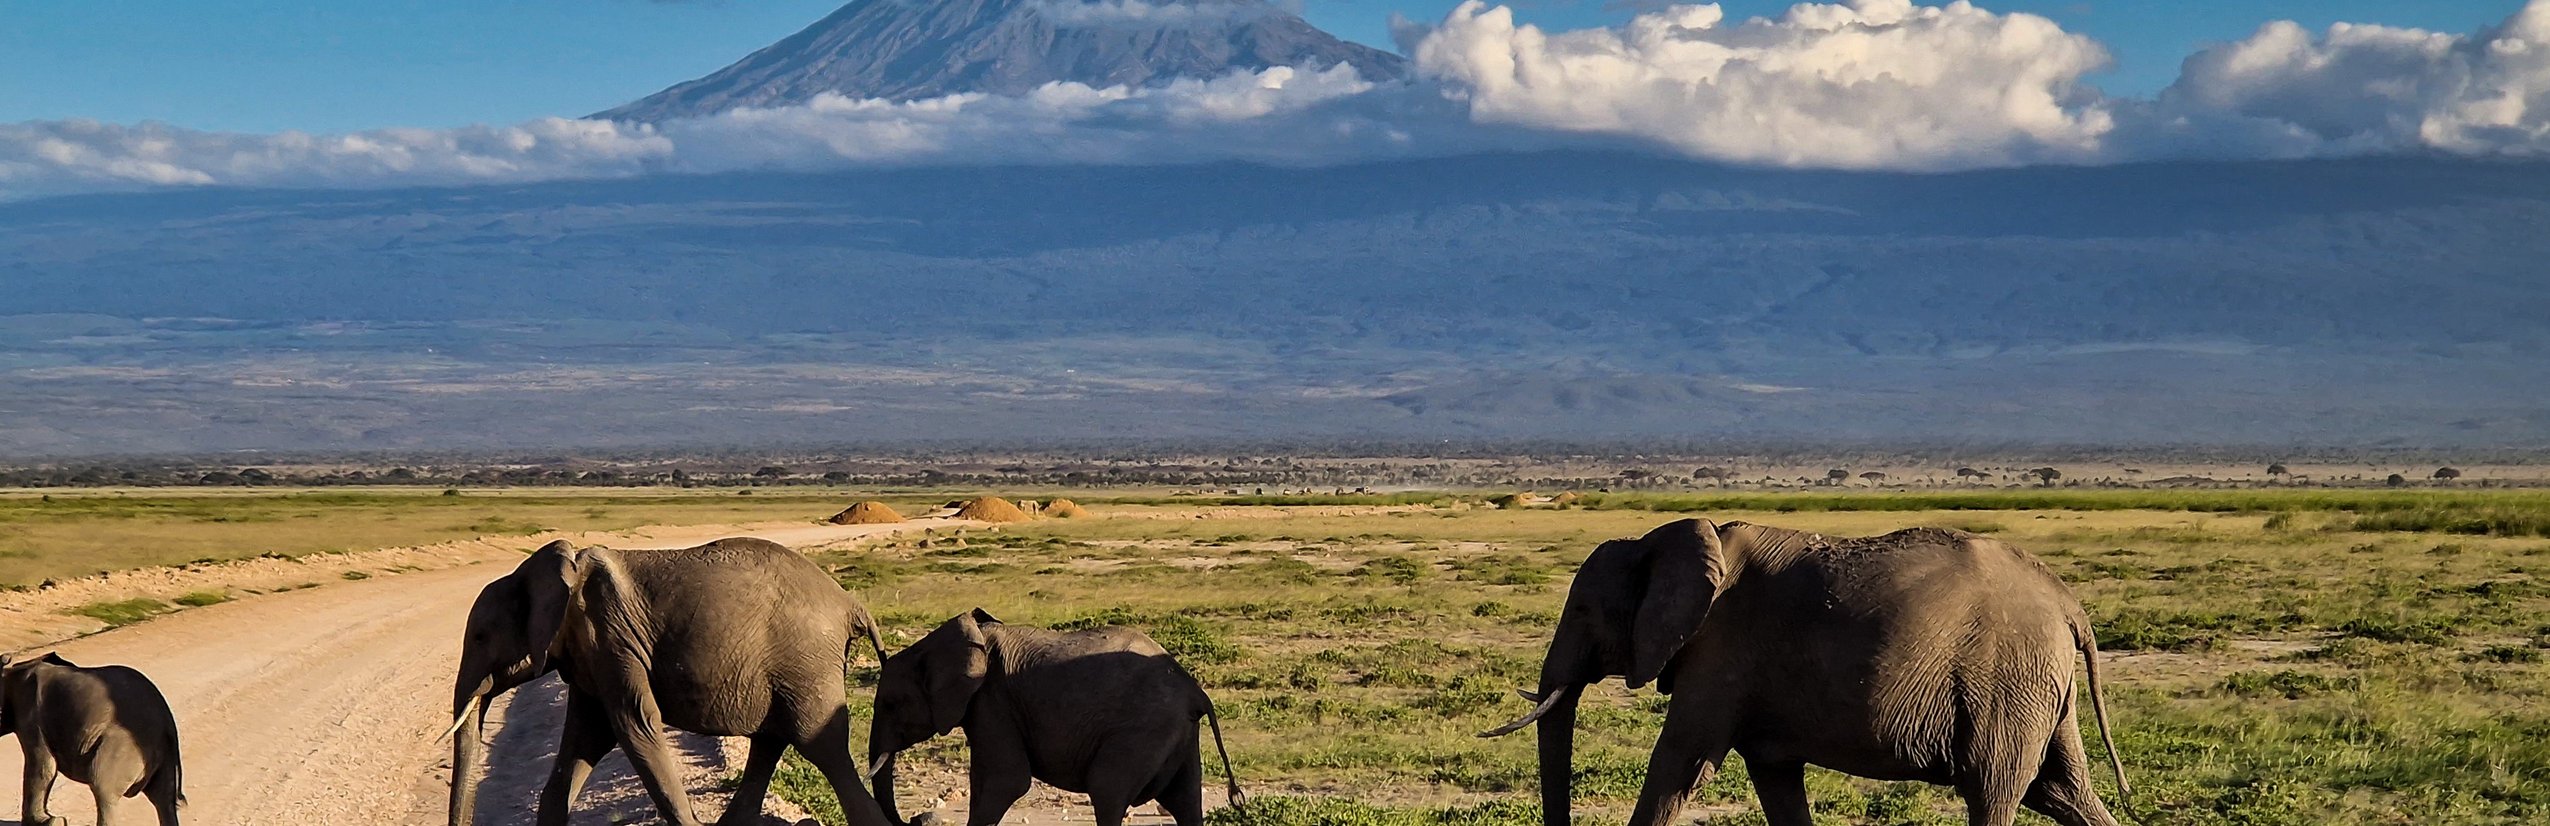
321,706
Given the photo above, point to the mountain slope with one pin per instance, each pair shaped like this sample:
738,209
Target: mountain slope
1560,295
916,49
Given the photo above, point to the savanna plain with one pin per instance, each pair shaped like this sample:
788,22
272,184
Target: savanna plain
2274,656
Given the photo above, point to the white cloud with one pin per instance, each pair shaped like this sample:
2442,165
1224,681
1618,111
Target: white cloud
1870,84
2356,89
1279,115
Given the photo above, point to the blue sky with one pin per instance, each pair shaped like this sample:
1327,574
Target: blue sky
330,65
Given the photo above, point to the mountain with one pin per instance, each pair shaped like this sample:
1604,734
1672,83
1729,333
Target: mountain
1582,296
915,49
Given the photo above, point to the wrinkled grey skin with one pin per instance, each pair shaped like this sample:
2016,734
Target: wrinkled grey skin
738,637
1103,712
108,727
1924,654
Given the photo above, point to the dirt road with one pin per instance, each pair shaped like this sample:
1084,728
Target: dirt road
321,706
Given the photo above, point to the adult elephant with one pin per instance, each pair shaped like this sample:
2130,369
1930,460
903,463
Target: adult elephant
738,637
1925,654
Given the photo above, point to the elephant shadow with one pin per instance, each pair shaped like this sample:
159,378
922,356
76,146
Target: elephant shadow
527,722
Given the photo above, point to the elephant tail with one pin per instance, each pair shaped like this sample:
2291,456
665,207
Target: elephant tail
1232,777
863,622
2098,709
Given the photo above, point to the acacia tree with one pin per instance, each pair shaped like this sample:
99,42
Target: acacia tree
2447,474
2047,475
2278,469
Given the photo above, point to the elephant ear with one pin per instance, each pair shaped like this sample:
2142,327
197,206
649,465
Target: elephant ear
959,662
549,580
1686,568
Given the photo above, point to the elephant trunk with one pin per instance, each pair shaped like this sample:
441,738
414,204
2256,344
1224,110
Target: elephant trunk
468,750
1557,733
881,769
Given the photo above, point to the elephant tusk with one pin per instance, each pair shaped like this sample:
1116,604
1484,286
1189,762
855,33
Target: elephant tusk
457,721
1548,701
1528,696
877,765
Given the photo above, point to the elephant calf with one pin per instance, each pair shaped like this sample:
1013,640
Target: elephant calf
1103,712
107,727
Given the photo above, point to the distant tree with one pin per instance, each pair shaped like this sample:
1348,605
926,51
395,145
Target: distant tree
400,474
1836,476
2447,473
1873,477
770,472
2047,475
2395,480
219,477
2278,469
256,476
1964,472
1713,473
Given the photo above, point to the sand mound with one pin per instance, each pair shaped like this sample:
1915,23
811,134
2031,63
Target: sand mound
870,512
1065,509
991,509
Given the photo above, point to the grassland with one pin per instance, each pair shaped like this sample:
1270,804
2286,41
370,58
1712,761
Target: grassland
2281,664
2282,657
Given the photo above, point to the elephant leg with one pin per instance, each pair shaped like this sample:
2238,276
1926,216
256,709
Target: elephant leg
164,798
582,743
1119,774
1183,796
110,802
35,806
1781,789
744,809
997,778
1694,742
2062,790
640,726
1993,786
825,742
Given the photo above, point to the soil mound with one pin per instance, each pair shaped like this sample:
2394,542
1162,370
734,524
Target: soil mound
870,512
1065,509
991,509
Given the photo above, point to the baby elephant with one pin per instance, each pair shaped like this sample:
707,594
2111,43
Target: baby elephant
107,727
1103,712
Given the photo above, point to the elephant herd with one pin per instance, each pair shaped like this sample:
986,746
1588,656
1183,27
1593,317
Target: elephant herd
1924,654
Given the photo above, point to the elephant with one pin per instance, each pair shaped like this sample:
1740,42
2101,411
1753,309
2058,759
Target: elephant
108,727
1924,654
738,637
1103,712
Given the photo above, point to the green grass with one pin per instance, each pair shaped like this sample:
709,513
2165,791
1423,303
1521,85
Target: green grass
199,599
122,612
2285,672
